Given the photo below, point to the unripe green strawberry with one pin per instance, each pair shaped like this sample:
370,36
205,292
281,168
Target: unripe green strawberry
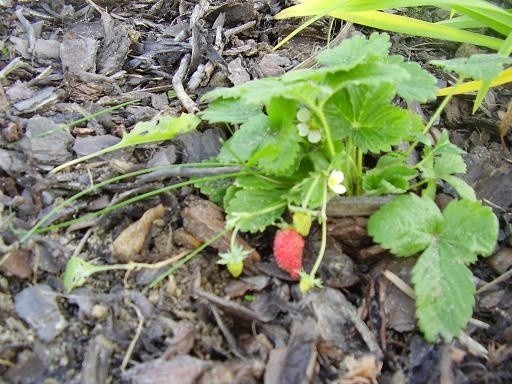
234,260
235,268
302,222
288,248
308,282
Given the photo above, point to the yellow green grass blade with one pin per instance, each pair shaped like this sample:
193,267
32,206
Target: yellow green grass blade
488,14
504,77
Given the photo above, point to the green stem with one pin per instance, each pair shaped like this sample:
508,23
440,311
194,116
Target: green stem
325,126
311,189
135,199
321,252
437,113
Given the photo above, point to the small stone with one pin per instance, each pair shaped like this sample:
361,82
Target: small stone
79,55
129,244
99,311
501,261
37,305
12,132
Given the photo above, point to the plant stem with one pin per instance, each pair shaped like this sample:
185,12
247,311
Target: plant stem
321,252
135,199
436,114
325,126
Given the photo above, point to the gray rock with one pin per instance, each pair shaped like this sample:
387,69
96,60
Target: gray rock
90,144
237,73
46,149
38,307
197,146
79,55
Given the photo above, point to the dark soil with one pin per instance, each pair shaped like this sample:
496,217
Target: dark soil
65,60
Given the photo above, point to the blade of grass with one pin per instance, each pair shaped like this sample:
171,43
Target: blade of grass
410,26
504,77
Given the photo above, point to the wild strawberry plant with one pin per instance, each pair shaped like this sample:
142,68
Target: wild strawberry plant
309,135
304,137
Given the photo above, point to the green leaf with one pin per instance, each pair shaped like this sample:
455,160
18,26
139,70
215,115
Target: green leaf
464,190
254,210
407,225
279,152
367,118
354,51
443,285
388,179
255,92
444,292
470,227
76,273
420,87
215,189
165,128
231,111
242,145
478,67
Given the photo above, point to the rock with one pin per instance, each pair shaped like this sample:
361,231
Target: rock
39,100
46,49
273,64
47,149
79,55
90,144
237,73
115,49
37,305
129,244
182,369
501,261
204,220
197,146
17,264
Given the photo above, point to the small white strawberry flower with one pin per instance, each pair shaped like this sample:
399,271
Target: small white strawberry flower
335,182
304,126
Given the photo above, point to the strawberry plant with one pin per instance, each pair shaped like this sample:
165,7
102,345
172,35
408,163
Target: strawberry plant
305,137
302,138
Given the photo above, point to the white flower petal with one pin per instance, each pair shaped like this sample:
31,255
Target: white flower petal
340,189
314,136
303,115
303,129
336,177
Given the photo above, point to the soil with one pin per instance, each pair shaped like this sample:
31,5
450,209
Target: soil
62,62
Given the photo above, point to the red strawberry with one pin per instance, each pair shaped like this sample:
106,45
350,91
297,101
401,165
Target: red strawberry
288,248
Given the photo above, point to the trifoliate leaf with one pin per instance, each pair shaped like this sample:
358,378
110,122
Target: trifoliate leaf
443,285
354,51
366,116
419,87
478,67
244,142
470,227
253,210
231,111
407,225
444,292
